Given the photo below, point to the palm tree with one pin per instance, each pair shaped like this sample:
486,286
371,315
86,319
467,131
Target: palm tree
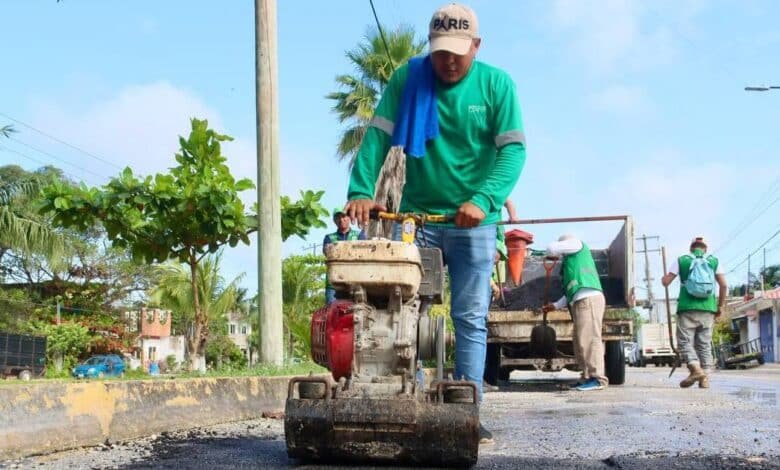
358,96
20,233
174,292
302,293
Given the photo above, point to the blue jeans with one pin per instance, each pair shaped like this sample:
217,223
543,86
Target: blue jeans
330,295
468,254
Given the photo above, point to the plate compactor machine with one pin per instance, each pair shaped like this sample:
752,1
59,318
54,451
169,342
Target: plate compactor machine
379,406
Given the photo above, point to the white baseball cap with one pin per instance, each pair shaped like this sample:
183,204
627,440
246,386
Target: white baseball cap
452,29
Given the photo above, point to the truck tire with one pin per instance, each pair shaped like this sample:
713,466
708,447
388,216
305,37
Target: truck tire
615,362
25,375
492,364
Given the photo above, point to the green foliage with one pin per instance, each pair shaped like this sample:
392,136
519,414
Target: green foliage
216,297
68,340
302,293
300,216
722,333
191,211
771,278
18,230
222,352
358,94
170,362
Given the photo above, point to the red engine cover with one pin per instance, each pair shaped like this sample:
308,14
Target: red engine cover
332,332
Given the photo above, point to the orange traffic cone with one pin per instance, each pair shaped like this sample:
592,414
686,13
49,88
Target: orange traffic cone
517,242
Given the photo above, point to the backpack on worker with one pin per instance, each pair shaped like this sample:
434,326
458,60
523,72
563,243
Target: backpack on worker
701,278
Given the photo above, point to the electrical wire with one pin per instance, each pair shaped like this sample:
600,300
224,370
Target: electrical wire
754,252
57,139
56,157
40,162
750,218
382,35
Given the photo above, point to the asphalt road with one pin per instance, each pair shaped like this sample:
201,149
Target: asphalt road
647,423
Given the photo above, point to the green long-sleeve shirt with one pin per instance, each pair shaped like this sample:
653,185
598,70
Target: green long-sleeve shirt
477,157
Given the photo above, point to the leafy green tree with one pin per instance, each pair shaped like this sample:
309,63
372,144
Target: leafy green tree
67,340
300,216
183,215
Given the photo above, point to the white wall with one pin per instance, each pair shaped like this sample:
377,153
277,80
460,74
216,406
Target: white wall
171,345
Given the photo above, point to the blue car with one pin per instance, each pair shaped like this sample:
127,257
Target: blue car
109,365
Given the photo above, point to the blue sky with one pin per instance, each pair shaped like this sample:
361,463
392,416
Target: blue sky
630,107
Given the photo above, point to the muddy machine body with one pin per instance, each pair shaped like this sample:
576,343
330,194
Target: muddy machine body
378,405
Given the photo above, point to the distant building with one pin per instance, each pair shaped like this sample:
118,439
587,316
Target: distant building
759,318
239,330
154,339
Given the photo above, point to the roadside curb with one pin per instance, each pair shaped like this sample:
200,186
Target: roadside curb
46,417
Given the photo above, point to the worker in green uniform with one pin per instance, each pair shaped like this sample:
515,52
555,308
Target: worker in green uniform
697,308
343,233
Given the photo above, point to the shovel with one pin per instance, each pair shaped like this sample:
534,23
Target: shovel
543,340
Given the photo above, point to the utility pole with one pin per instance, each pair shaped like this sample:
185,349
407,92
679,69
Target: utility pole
747,286
648,279
269,233
763,270
58,309
313,247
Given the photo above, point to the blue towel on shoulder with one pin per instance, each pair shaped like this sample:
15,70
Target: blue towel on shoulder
417,120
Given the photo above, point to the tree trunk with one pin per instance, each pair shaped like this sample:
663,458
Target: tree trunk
389,188
195,341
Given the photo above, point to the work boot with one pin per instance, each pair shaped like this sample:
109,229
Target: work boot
695,375
485,436
704,382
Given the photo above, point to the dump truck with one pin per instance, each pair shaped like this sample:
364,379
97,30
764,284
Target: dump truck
22,356
512,318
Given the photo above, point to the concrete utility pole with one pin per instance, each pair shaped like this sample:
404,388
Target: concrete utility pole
269,233
648,279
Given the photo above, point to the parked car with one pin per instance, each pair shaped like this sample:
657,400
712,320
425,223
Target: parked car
109,365
631,351
22,356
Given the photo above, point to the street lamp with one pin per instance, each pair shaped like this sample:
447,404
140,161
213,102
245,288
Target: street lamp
762,88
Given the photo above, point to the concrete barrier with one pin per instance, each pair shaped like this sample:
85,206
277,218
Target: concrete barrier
44,417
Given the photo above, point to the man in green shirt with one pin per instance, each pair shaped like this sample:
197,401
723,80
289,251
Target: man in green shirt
467,170
696,312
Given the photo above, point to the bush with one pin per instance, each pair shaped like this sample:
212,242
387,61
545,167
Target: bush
170,363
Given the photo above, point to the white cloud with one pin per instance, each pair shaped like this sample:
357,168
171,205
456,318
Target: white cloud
608,35
621,100
137,127
674,198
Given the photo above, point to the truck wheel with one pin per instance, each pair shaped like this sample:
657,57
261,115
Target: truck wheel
492,361
25,375
615,362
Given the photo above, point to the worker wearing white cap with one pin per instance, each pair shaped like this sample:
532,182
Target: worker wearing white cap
584,296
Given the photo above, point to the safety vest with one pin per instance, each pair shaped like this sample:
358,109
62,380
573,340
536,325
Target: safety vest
579,272
352,235
685,301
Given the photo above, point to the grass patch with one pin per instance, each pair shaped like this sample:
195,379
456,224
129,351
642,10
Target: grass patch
260,370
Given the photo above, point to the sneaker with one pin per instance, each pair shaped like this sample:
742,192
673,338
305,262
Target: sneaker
592,384
485,436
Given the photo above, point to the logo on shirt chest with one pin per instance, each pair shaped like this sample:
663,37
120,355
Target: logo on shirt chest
478,113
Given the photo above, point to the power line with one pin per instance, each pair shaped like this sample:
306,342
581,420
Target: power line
750,218
40,162
56,157
754,252
382,34
57,139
